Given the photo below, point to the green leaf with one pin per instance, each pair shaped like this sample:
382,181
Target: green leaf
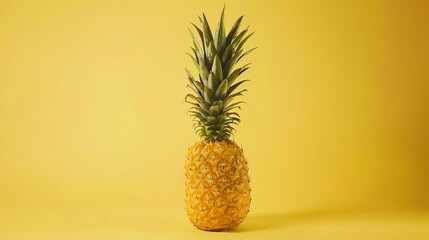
201,134
214,127
204,73
194,112
204,107
195,54
196,115
220,118
199,51
208,37
208,95
221,91
192,97
233,87
200,110
233,32
194,90
231,63
232,96
240,36
213,82
194,105
190,77
199,122
194,83
226,126
211,120
196,125
211,53
240,46
193,60
219,104
214,110
236,104
230,122
199,131
232,114
247,52
227,55
244,68
199,100
217,67
189,74
200,86
199,32
233,105
231,78
219,38
235,119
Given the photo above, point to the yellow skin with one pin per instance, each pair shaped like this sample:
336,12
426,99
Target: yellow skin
217,185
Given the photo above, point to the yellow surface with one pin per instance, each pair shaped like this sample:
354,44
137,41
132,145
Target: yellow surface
93,131
135,223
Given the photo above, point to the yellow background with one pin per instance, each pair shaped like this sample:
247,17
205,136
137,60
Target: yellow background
93,130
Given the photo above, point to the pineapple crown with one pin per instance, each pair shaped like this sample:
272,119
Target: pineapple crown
213,101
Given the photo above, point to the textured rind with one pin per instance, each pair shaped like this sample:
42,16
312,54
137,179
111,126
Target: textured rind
217,185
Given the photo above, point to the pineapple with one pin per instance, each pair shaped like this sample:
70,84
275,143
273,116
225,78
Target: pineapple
217,181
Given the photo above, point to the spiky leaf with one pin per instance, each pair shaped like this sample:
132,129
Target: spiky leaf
222,89
219,38
233,32
213,82
217,67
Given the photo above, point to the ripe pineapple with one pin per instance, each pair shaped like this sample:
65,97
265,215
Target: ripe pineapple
217,181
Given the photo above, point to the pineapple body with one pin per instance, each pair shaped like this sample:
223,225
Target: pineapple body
217,185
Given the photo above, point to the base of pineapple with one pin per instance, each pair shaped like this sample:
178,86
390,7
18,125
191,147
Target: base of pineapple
217,185
217,225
